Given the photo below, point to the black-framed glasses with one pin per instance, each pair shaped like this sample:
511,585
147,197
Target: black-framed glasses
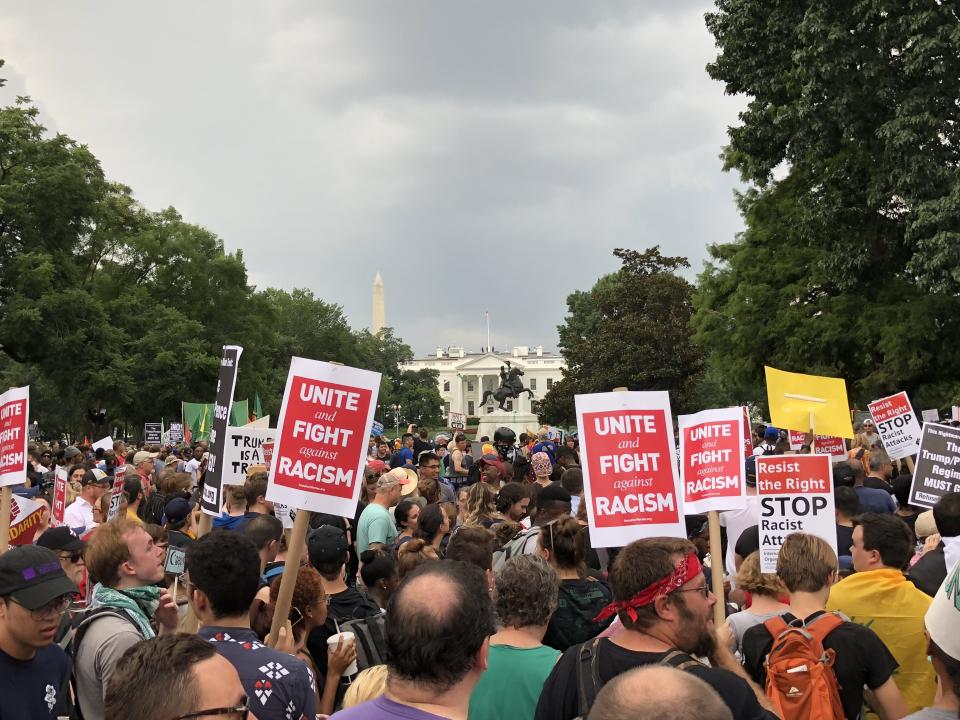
54,608
240,709
702,589
74,557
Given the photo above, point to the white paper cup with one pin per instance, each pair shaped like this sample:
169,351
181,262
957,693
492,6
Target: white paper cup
348,639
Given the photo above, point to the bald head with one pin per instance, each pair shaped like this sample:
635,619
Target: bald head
658,692
436,602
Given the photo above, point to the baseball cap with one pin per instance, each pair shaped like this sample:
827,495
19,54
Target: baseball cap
494,459
60,538
70,453
325,545
95,477
376,465
143,456
397,476
175,511
32,576
925,525
771,432
553,491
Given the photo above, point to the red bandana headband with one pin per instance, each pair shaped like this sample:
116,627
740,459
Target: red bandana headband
686,570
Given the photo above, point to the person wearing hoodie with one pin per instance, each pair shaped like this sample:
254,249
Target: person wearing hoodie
582,596
234,515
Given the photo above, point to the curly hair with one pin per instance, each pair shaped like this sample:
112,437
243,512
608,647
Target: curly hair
750,579
525,591
306,592
481,501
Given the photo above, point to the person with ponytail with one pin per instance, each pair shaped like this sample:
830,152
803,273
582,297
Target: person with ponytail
582,596
433,526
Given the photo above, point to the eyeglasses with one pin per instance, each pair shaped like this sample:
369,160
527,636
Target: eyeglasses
52,609
702,589
73,557
240,709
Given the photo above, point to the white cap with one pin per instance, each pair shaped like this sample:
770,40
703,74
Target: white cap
943,617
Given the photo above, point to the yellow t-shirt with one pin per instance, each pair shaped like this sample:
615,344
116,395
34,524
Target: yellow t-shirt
889,604
131,515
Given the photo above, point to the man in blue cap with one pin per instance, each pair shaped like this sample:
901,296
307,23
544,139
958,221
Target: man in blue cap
34,593
769,444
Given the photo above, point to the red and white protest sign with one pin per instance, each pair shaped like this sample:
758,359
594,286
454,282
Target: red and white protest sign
796,495
797,439
711,464
630,479
14,416
321,443
116,495
25,516
59,497
747,434
268,453
897,425
830,445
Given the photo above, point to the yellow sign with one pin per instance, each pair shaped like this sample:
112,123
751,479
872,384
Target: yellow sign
795,397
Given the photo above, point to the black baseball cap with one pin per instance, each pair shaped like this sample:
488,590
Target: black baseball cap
60,538
32,576
325,545
553,492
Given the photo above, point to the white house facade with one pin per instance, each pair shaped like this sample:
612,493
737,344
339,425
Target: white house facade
465,376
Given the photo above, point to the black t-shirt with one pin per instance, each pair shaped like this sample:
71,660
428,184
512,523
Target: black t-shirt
861,659
34,689
844,539
877,483
560,697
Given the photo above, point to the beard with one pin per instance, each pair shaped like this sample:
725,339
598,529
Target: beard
695,636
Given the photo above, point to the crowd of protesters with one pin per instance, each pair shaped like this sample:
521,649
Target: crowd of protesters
466,585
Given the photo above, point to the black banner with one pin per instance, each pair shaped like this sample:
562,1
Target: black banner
153,433
937,471
210,500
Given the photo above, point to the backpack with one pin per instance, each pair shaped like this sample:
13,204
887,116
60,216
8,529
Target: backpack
71,643
514,546
588,672
371,640
800,678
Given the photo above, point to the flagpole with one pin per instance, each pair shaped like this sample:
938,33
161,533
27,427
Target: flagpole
487,313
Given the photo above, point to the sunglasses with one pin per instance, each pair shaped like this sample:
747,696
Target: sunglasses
73,557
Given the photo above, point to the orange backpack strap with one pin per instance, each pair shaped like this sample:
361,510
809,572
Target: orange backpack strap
824,625
775,626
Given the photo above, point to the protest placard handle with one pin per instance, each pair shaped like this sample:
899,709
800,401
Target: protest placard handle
291,567
716,568
6,508
204,525
910,467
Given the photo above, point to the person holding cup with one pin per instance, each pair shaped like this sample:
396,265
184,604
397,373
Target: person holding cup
308,610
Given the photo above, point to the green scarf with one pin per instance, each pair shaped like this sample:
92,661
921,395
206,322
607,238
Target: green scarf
140,603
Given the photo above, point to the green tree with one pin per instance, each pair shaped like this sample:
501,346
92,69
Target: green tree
631,329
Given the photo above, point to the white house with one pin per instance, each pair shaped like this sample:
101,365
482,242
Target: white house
465,376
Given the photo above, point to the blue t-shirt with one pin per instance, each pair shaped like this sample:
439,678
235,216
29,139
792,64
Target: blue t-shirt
34,689
277,684
401,458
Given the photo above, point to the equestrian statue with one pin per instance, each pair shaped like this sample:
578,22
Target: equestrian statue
511,386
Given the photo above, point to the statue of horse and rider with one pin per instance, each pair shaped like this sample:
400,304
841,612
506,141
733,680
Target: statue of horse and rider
511,386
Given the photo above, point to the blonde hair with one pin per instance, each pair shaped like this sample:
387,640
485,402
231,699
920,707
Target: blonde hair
806,563
481,500
750,579
369,684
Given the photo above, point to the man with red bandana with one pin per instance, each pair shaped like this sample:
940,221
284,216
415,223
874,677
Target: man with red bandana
662,598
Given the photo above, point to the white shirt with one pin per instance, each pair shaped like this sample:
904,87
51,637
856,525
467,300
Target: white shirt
191,467
79,516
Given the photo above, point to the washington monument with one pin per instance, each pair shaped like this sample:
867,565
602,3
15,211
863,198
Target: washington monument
379,320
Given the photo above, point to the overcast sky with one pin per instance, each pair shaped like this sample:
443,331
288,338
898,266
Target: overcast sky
479,155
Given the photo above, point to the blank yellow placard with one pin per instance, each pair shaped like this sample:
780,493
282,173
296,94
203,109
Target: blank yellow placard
793,396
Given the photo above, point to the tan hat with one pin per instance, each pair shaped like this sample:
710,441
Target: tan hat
143,456
925,525
412,479
397,476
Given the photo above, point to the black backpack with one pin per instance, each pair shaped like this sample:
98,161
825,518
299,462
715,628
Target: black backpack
588,671
371,640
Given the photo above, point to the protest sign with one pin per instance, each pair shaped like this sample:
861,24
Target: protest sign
153,433
116,495
797,439
262,422
226,382
631,483
711,464
799,402
284,514
796,495
59,497
175,561
830,445
376,428
268,454
321,443
244,447
937,470
14,417
457,421
747,433
930,416
897,425
175,436
105,443
25,515
955,412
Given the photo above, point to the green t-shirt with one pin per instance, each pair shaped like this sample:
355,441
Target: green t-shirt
375,526
512,684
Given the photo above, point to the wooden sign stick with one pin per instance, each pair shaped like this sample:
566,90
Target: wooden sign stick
295,547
